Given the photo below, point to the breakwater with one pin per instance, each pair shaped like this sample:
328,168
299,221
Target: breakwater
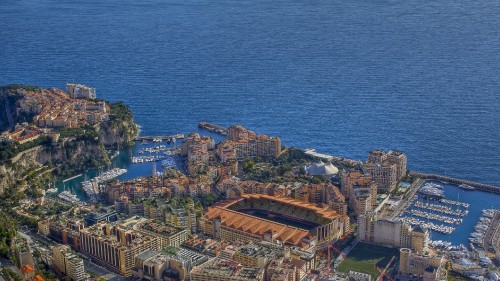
214,128
477,185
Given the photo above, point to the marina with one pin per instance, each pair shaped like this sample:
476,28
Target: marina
431,191
143,159
68,197
160,138
432,216
486,235
440,208
443,229
451,218
91,187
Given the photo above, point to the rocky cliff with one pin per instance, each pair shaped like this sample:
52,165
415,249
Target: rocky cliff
73,154
121,129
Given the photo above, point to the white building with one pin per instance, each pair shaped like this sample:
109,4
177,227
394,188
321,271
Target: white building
78,91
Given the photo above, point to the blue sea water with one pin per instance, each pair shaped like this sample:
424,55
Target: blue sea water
344,77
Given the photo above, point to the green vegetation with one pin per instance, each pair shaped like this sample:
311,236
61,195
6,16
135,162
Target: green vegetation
170,251
8,228
290,163
208,199
9,150
248,165
10,275
13,87
365,258
120,111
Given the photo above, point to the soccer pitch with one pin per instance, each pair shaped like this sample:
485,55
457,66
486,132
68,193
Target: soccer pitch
364,257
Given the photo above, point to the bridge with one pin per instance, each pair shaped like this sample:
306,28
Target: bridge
150,138
477,185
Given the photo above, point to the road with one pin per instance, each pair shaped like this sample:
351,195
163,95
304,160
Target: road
101,271
412,190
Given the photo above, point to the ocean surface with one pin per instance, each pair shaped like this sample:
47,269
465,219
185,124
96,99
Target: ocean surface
344,77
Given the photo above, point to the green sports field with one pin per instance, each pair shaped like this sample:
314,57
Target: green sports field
364,257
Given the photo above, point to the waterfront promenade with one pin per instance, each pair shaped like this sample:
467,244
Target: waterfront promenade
477,185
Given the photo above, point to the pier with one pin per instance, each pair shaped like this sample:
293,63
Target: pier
477,185
74,177
150,138
214,128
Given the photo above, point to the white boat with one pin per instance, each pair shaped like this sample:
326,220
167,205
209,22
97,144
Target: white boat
68,197
466,187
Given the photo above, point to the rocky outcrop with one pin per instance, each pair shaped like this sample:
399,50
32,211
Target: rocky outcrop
121,129
64,158
72,155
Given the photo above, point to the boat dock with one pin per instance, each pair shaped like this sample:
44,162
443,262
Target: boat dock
161,138
74,177
214,128
477,185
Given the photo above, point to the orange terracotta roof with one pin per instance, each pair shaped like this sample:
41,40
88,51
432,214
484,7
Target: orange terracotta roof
324,212
256,226
27,268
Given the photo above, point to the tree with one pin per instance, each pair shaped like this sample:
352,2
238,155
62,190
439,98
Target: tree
248,165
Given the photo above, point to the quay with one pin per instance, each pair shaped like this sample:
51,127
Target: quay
150,138
214,128
477,185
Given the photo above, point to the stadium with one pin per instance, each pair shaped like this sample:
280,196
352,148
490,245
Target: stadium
256,217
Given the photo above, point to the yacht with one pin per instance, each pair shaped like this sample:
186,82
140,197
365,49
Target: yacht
466,187
68,197
432,190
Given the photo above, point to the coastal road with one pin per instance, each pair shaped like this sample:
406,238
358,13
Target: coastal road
412,190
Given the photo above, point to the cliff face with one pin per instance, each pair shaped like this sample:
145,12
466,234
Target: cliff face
71,155
62,159
121,129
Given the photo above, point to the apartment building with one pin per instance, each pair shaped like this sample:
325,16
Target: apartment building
65,261
247,144
392,232
115,246
384,175
428,267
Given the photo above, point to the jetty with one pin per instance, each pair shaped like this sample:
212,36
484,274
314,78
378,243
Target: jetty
477,185
74,177
161,138
214,128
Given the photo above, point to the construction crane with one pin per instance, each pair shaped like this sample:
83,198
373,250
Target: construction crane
383,273
337,250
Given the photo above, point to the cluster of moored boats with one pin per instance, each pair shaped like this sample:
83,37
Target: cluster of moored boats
91,187
169,162
154,149
143,159
431,190
435,227
447,211
456,203
477,237
441,209
445,219
68,197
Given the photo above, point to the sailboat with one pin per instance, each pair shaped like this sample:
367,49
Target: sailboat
51,189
